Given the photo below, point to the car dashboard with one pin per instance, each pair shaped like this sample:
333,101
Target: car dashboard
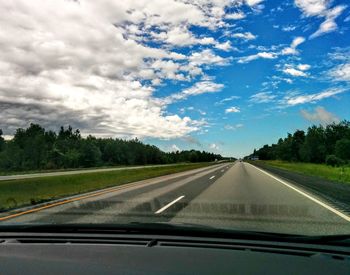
72,253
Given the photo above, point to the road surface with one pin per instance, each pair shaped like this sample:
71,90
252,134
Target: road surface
230,196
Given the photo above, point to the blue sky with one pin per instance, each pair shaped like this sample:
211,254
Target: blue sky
225,76
263,119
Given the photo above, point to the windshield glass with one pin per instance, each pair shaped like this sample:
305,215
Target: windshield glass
224,114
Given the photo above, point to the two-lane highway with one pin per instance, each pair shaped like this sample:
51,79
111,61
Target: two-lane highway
232,196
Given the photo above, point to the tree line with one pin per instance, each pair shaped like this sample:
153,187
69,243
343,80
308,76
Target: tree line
319,144
35,148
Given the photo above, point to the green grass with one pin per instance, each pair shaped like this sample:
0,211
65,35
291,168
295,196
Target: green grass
339,174
22,172
18,193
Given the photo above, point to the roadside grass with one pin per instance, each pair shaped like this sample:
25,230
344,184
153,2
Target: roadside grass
338,174
23,172
24,192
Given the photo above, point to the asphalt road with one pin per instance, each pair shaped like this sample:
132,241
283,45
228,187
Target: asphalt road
231,196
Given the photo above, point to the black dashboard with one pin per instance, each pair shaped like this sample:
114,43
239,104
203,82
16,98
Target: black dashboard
130,254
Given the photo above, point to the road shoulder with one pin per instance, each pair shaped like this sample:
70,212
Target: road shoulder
334,193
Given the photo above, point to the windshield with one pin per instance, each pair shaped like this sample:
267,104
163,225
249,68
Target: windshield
224,114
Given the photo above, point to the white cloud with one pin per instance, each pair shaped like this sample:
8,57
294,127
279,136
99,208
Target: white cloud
175,148
214,146
232,110
197,89
320,115
292,49
288,28
312,7
263,97
264,55
304,67
294,72
341,72
245,36
253,3
321,8
329,24
297,41
235,16
310,98
340,54
180,36
95,62
206,57
227,99
226,46
233,127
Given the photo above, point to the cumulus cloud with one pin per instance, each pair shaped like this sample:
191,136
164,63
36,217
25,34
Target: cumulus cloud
214,146
329,24
312,7
294,72
206,57
304,67
232,110
320,115
292,49
245,36
226,46
235,16
253,3
175,148
97,60
321,8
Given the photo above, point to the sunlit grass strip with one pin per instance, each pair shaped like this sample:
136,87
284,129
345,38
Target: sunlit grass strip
23,192
339,174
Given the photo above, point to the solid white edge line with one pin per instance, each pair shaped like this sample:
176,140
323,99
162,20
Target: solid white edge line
340,214
169,204
212,177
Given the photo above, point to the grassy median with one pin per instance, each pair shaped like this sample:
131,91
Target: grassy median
339,174
17,193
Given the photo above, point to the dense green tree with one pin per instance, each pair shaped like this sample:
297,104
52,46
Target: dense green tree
313,146
2,141
297,142
333,160
36,148
342,149
335,132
